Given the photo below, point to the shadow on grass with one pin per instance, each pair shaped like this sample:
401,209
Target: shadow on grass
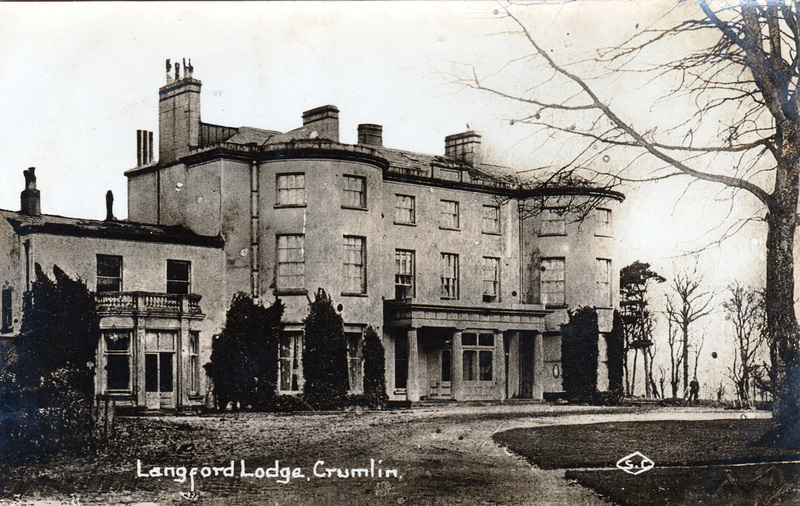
709,449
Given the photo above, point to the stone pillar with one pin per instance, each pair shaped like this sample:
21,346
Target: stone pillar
412,386
538,367
457,375
499,366
138,349
513,366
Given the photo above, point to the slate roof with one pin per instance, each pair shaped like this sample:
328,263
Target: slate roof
24,224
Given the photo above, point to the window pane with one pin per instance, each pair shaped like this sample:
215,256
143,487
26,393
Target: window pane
486,340
469,339
118,341
553,222
449,276
552,281
469,365
354,194
449,214
291,262
291,189
404,211
178,272
404,274
354,265
485,358
401,361
491,277
491,219
151,372
109,273
118,372
7,314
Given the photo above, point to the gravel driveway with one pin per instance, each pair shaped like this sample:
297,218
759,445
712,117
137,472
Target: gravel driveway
442,455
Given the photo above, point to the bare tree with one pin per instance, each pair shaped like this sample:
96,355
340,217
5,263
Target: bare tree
748,73
691,304
745,310
675,356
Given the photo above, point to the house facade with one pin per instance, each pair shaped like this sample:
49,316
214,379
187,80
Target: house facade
458,266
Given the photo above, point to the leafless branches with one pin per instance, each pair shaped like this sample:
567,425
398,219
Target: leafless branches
745,310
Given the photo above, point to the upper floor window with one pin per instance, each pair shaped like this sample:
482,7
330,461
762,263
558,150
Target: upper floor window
291,267
602,221
7,323
179,276
291,190
355,192
355,274
491,219
491,279
603,273
449,276
449,215
404,274
109,273
405,210
552,282
553,222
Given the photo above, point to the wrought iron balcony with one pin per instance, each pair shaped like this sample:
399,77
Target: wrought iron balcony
111,303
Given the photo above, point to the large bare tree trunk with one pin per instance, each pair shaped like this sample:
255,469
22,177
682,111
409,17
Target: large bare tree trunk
782,327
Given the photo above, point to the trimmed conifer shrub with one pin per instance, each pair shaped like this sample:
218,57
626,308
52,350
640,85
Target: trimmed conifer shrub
324,355
374,370
244,357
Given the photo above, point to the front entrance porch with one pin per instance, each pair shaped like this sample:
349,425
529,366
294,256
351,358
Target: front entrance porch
451,353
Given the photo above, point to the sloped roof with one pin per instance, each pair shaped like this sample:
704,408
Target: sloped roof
24,224
248,135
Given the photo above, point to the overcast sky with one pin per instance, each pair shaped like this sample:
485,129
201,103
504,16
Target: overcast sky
78,80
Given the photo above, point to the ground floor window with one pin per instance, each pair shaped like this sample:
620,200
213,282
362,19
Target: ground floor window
117,354
401,362
477,356
291,351
355,362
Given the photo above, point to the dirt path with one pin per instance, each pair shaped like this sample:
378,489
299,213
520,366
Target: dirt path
442,456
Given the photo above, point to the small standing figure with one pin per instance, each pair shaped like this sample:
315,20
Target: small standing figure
694,391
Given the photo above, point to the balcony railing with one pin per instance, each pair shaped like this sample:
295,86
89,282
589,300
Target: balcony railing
128,302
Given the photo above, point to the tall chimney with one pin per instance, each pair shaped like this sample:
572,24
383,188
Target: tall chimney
30,198
370,135
178,115
323,120
144,147
465,146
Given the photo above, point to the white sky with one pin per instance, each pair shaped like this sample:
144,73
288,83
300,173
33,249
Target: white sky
77,80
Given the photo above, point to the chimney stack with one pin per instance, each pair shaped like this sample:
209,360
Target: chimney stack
323,120
30,198
110,206
370,135
465,147
144,147
178,114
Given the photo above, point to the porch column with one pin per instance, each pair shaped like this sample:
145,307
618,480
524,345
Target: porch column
457,374
412,386
513,366
499,365
538,367
137,355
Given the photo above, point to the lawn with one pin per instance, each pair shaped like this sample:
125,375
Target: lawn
695,461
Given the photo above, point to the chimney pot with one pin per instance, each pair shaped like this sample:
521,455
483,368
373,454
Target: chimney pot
110,206
30,199
370,134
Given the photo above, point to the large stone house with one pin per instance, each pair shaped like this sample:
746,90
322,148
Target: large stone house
439,253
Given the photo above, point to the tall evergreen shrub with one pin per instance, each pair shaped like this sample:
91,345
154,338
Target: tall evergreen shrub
374,370
324,355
